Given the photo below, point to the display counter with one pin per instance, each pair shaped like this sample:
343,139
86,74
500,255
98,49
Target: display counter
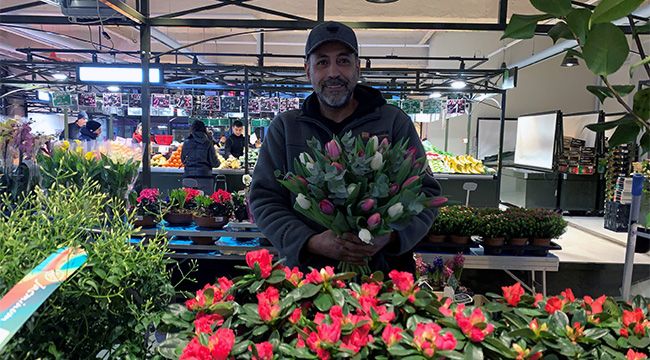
485,195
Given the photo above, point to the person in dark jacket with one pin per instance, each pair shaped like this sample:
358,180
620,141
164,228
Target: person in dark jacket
236,141
199,157
91,131
75,127
337,105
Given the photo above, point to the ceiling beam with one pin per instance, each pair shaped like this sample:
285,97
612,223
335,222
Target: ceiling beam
426,37
124,9
21,6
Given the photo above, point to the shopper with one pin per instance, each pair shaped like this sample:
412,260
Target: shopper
91,131
74,128
199,157
137,134
337,105
236,141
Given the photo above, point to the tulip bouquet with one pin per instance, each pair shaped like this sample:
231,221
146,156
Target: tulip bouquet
364,189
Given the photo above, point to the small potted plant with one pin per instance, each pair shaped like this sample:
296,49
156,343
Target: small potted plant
440,229
519,226
462,224
148,207
491,228
442,277
548,225
214,211
240,207
180,206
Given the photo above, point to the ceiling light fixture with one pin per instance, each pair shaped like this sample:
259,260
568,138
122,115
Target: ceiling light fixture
458,84
570,60
435,95
113,88
60,76
43,95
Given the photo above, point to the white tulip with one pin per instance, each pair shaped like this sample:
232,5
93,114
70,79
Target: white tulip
374,141
395,210
246,179
305,159
377,161
365,236
303,202
351,188
310,166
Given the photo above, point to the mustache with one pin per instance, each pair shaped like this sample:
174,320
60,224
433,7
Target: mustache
334,82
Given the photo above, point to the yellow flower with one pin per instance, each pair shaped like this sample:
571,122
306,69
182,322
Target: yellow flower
89,156
65,145
77,141
79,150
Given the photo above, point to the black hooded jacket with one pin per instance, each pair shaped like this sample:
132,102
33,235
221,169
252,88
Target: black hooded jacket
198,155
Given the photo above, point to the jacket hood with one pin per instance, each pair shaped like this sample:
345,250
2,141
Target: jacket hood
85,131
199,137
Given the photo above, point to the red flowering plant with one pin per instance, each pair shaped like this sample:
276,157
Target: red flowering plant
273,312
147,203
181,201
219,204
367,189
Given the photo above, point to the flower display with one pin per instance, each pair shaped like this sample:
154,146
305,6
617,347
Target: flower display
327,316
218,204
352,185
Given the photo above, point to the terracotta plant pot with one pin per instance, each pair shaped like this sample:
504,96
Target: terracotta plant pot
202,240
436,238
541,242
210,222
518,241
179,219
494,241
459,239
146,221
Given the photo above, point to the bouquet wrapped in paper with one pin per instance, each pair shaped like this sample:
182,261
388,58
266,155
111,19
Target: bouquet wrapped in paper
364,188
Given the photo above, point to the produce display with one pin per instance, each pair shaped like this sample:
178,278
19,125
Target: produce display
230,163
441,161
174,160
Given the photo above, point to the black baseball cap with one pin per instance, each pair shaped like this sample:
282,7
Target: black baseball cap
331,31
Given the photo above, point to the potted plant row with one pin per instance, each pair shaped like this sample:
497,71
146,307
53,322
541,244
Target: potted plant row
516,227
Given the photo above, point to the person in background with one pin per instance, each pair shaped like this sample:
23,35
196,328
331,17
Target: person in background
137,134
91,131
236,141
199,157
74,128
338,105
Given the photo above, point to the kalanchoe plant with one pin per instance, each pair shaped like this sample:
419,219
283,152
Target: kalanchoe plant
148,203
274,312
219,204
604,48
366,189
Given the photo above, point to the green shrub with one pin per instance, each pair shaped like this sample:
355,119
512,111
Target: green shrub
109,303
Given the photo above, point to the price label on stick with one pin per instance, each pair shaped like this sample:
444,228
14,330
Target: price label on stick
30,293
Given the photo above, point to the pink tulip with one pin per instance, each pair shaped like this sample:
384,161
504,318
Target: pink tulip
384,143
438,201
361,153
338,166
393,189
373,221
326,207
410,180
333,149
367,204
301,180
411,151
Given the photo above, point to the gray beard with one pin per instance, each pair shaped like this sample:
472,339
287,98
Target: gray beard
334,102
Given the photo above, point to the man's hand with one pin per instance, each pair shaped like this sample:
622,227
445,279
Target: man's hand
353,243
329,245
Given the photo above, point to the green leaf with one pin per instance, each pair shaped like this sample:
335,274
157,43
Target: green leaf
560,319
637,64
259,330
638,343
338,297
603,92
309,290
557,8
608,125
522,26
641,105
526,333
499,347
578,21
624,134
596,334
277,276
324,302
473,352
606,49
610,10
560,31
400,351
240,347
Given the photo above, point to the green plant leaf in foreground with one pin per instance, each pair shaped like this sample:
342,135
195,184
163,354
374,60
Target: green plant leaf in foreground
606,49
610,10
523,26
557,8
603,92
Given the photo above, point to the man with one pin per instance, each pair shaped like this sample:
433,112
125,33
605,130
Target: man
338,105
75,127
236,141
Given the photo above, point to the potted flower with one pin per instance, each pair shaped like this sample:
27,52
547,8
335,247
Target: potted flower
180,205
240,206
519,225
491,228
148,207
462,224
214,211
439,231
548,225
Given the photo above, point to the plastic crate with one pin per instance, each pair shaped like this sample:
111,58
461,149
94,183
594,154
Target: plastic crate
617,216
163,139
